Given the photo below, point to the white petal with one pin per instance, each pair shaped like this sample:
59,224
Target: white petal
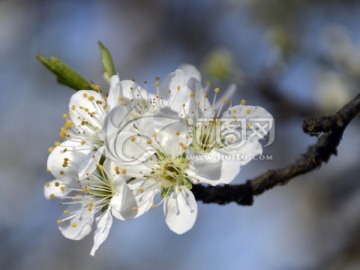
174,138
88,165
123,204
131,90
214,173
190,72
245,152
221,166
103,225
114,92
127,147
180,210
82,104
179,97
201,107
250,114
145,192
115,119
79,226
68,150
172,131
54,188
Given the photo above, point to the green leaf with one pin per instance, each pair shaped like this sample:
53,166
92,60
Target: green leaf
108,65
64,74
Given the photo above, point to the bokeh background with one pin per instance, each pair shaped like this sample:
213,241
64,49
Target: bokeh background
294,57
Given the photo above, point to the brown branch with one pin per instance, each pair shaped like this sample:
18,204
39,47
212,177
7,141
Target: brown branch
332,128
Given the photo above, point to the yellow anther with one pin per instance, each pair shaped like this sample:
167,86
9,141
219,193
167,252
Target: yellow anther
84,95
207,83
73,225
134,209
123,171
148,141
47,184
68,123
66,212
133,139
206,95
96,87
121,98
156,84
62,172
83,142
117,169
248,111
153,205
50,149
58,221
217,90
52,196
57,184
234,111
177,133
182,145
73,107
91,98
124,103
99,102
157,79
65,115
154,134
105,106
100,167
223,100
62,188
249,125
192,94
178,87
141,190
91,204
243,102
56,143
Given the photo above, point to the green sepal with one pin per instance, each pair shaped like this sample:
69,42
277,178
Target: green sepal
108,64
64,74
187,183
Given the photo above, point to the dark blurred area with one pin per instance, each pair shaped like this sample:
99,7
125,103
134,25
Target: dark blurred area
295,58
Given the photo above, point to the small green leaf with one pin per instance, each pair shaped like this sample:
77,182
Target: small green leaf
187,183
64,74
108,65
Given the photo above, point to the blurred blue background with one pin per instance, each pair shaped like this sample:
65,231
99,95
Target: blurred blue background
295,58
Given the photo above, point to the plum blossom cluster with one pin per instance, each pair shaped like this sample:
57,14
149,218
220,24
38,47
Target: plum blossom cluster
127,151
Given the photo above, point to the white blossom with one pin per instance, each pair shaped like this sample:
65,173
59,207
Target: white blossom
99,196
151,150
